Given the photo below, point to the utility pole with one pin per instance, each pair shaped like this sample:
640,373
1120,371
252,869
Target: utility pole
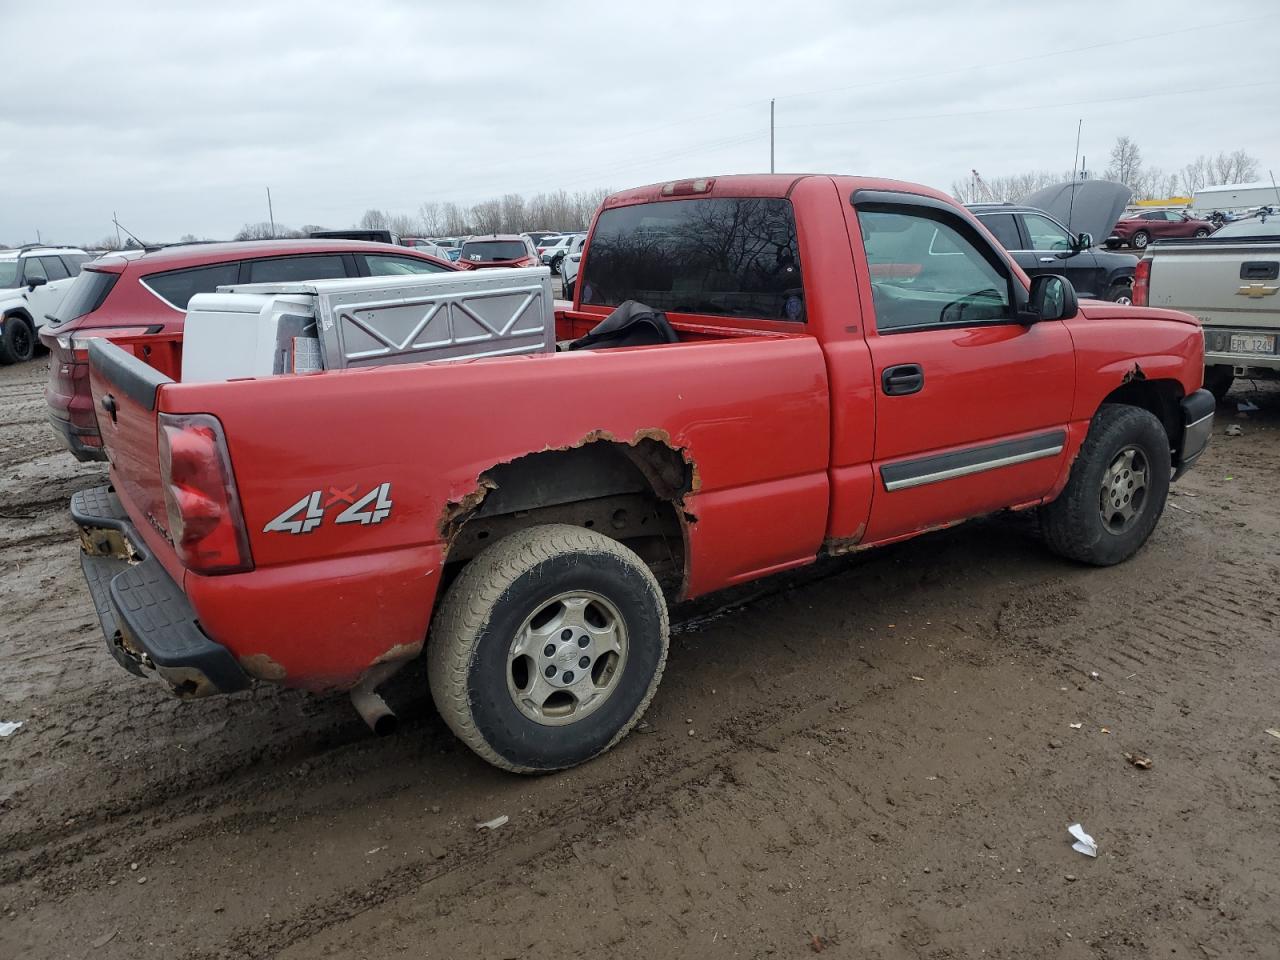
771,135
271,215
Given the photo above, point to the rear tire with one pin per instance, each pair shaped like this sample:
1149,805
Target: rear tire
533,613
1218,380
1201,233
17,340
1140,240
1116,492
1120,293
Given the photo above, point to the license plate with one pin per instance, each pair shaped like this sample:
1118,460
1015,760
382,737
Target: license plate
1252,343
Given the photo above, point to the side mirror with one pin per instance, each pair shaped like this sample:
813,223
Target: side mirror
1084,241
34,282
1052,298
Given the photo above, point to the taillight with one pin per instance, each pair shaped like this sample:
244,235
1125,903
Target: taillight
686,188
1142,282
206,523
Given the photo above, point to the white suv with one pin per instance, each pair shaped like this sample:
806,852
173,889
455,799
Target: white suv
571,264
552,250
33,281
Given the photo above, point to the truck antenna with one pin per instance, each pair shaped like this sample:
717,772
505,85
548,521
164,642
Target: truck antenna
1075,176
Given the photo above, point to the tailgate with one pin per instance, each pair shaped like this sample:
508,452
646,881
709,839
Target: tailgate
1224,284
125,394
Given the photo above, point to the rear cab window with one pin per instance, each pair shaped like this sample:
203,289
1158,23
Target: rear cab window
716,256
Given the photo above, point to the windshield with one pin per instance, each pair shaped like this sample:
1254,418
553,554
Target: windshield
1246,228
8,274
489,251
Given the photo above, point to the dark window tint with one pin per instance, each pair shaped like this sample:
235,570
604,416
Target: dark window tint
925,271
85,295
33,269
74,261
53,268
725,257
388,266
489,251
1005,229
179,286
283,269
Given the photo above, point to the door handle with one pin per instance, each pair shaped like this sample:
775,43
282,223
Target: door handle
1047,259
902,380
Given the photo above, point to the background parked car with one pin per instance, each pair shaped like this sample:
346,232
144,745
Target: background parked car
424,245
138,299
553,250
537,236
1040,244
33,281
571,264
1139,229
498,250
451,246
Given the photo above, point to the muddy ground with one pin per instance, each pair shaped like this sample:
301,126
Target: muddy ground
874,760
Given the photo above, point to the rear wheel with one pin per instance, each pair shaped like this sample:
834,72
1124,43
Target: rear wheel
1117,489
1201,233
1141,239
1120,293
1218,380
17,340
548,648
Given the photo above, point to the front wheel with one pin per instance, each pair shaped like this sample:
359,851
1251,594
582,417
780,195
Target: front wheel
548,648
1141,239
1116,491
17,340
1120,293
1201,233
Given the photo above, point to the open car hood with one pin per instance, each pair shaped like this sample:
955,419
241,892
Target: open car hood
1094,209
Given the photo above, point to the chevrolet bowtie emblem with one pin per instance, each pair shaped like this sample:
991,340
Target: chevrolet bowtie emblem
1256,291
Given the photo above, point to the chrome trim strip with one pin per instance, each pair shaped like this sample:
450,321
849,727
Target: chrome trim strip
964,471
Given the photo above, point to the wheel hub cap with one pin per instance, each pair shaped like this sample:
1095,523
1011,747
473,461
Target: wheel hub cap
1124,490
567,658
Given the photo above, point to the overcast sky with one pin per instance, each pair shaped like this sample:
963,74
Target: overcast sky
177,115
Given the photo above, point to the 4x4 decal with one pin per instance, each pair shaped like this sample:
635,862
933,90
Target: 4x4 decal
309,512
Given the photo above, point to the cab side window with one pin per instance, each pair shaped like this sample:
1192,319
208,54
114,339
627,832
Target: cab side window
925,272
53,268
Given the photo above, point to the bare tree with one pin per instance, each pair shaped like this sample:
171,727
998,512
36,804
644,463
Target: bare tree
259,231
486,216
374,219
1195,175
431,218
1234,167
455,220
402,225
1126,162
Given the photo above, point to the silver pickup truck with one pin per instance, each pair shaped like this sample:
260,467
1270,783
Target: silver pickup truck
1229,280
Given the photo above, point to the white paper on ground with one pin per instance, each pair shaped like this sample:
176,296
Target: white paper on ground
9,726
1084,843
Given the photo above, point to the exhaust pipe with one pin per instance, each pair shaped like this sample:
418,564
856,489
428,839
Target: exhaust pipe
372,708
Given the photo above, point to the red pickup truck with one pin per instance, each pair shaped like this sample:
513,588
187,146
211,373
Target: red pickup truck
848,362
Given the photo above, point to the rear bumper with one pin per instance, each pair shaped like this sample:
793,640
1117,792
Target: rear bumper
146,619
1197,427
74,438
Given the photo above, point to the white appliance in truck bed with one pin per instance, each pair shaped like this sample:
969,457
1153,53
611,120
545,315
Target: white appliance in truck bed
262,329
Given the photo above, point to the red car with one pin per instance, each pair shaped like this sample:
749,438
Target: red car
499,250
776,368
1139,229
138,299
